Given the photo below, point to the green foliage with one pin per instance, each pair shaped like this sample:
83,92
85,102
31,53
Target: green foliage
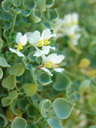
54,122
30,89
19,122
61,82
32,98
62,108
44,79
3,62
17,69
9,82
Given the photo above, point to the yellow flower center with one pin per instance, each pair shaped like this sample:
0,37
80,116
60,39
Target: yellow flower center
48,65
75,22
55,65
19,46
40,43
46,42
68,24
72,36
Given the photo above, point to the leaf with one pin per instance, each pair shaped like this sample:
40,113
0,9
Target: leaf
4,121
30,89
1,73
1,43
5,101
9,82
41,5
6,5
3,62
44,79
29,4
19,122
54,122
16,3
17,69
13,94
44,107
31,110
61,82
49,3
62,108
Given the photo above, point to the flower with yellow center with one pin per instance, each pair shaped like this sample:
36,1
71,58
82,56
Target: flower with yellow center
52,61
38,40
21,40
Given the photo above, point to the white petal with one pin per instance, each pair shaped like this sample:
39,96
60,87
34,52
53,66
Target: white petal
46,34
38,54
33,37
18,37
20,54
52,58
17,52
60,58
23,40
75,17
59,70
46,70
46,49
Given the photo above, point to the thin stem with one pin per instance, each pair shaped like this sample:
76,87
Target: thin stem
38,120
13,24
32,75
74,48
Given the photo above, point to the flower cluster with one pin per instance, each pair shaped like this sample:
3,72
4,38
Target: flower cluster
41,42
68,26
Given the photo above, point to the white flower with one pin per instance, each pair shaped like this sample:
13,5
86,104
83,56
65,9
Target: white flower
75,18
38,40
71,19
16,51
52,61
45,50
21,40
68,20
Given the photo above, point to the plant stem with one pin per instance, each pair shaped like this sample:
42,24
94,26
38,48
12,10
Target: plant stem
33,77
74,48
13,24
38,120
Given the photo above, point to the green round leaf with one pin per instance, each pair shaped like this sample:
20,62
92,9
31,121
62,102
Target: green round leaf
3,62
53,14
62,108
30,89
36,16
31,57
44,79
3,121
61,83
17,69
5,101
26,12
54,122
49,3
42,5
13,94
44,107
9,82
1,73
6,5
19,122
22,103
29,4
16,3
31,110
